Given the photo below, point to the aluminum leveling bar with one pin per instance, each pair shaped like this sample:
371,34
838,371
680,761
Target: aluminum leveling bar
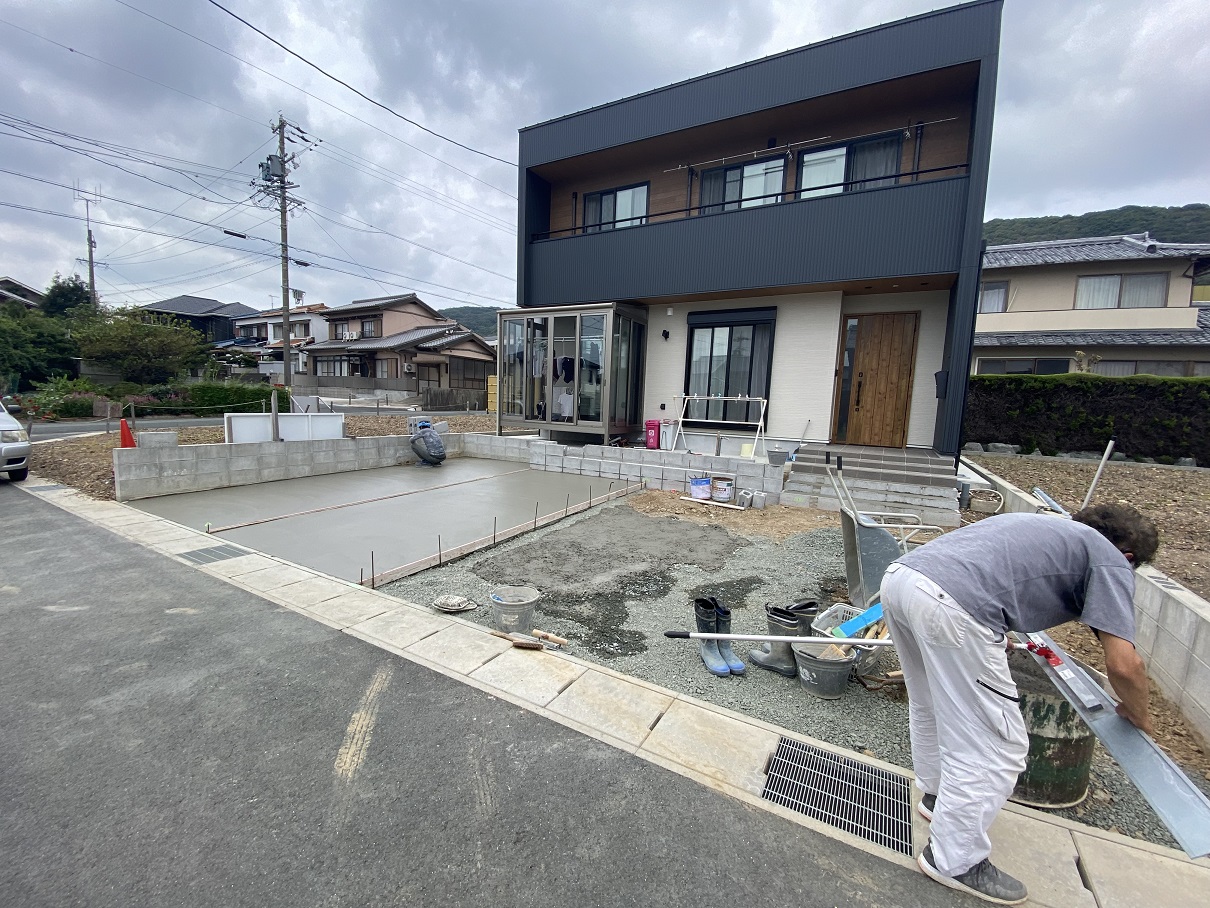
1175,799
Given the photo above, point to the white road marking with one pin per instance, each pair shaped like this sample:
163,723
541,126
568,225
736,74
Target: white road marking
357,738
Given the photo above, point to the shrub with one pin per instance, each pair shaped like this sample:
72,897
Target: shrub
238,397
1164,418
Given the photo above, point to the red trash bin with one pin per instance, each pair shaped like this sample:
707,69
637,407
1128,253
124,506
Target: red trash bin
653,434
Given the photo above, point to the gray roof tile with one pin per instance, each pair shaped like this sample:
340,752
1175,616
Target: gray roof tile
1199,336
1131,246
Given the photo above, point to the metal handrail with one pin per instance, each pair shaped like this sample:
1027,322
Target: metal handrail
793,195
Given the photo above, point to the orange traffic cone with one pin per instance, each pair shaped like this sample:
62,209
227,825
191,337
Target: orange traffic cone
127,436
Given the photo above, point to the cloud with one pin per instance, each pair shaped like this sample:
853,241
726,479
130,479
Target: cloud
1099,105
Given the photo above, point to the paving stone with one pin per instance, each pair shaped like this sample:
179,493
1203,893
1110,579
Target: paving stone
272,578
243,564
613,706
459,648
534,676
351,608
1043,857
401,627
1126,877
716,746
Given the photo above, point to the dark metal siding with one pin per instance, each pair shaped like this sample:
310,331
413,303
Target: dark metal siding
932,41
911,229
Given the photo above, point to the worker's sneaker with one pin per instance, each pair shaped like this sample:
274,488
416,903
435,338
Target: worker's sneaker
926,805
984,880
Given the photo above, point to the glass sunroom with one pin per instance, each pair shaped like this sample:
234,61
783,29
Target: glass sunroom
574,370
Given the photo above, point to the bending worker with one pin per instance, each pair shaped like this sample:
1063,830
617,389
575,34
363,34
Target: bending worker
427,444
949,605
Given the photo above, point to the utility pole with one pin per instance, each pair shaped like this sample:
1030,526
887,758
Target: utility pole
274,186
88,198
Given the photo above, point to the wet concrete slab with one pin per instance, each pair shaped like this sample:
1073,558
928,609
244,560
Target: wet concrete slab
460,502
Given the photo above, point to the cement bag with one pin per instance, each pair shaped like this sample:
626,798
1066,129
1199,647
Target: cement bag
428,446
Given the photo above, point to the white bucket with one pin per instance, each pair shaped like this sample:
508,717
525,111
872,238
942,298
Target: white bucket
722,488
699,488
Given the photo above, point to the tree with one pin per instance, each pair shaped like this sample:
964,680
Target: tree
33,347
65,295
147,350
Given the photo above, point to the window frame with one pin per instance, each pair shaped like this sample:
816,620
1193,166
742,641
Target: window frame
764,317
1122,277
375,323
983,287
1032,360
459,377
848,184
737,204
614,223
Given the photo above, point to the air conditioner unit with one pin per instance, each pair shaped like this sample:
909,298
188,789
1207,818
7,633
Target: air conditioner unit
409,367
352,335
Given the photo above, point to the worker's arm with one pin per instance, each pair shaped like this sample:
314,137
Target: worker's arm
1128,676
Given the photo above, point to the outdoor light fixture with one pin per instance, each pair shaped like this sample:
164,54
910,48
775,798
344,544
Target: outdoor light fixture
665,333
669,311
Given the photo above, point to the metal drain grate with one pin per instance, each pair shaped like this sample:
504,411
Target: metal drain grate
860,799
212,554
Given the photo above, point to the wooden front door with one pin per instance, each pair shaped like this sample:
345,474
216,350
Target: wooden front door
874,387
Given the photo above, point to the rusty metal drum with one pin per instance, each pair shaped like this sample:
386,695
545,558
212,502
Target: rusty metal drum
1060,744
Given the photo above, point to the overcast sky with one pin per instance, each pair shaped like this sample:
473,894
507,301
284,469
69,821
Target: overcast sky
1100,104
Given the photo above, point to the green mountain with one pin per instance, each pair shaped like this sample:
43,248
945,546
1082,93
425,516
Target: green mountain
1187,224
480,319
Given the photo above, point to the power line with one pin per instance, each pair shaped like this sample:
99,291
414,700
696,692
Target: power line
315,97
361,94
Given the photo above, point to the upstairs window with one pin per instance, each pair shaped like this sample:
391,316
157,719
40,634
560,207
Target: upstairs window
1121,291
867,164
371,327
339,330
743,186
626,207
993,296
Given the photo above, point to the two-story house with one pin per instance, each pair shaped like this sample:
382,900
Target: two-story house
13,291
214,319
399,343
795,239
1113,305
263,333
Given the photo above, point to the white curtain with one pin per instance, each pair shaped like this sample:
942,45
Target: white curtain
1098,292
1142,291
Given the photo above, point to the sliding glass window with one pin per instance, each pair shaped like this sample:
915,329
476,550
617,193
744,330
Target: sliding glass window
868,164
730,355
613,208
743,186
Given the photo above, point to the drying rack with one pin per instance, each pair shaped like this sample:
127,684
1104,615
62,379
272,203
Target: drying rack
758,424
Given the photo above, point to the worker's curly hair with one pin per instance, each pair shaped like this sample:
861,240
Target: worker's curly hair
1125,527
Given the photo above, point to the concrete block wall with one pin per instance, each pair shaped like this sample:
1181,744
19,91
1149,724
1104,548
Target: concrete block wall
146,472
669,471
1172,624
935,505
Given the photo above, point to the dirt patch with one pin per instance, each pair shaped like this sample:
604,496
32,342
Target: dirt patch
1178,500
775,522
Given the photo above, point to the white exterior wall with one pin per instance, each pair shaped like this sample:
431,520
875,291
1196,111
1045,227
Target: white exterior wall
933,307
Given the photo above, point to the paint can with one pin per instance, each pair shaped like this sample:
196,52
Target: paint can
722,488
513,608
1060,744
699,488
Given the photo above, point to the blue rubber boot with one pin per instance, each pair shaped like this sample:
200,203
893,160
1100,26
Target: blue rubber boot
734,662
706,616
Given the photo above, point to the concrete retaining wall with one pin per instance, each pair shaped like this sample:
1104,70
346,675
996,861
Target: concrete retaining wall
669,471
167,470
1172,624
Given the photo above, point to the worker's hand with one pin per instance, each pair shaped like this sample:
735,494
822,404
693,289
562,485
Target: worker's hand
1142,723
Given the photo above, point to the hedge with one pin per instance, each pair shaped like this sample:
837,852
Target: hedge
1162,418
237,396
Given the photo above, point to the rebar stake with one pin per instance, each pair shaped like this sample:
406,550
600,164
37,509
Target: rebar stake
494,519
535,515
373,573
439,550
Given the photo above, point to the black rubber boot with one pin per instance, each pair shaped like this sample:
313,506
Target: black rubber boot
779,658
734,662
706,616
806,611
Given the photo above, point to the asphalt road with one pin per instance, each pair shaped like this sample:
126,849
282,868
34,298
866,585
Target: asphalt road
169,740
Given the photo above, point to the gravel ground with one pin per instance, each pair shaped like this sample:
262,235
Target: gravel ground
623,577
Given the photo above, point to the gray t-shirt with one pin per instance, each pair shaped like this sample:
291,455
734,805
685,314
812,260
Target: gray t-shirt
1030,572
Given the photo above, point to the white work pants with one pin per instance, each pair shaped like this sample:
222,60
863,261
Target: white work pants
968,737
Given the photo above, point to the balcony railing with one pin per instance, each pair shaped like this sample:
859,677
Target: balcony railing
776,198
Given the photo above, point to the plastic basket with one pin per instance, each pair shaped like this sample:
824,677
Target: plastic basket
868,657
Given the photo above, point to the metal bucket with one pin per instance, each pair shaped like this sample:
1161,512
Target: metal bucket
513,608
722,489
825,678
777,458
1060,744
